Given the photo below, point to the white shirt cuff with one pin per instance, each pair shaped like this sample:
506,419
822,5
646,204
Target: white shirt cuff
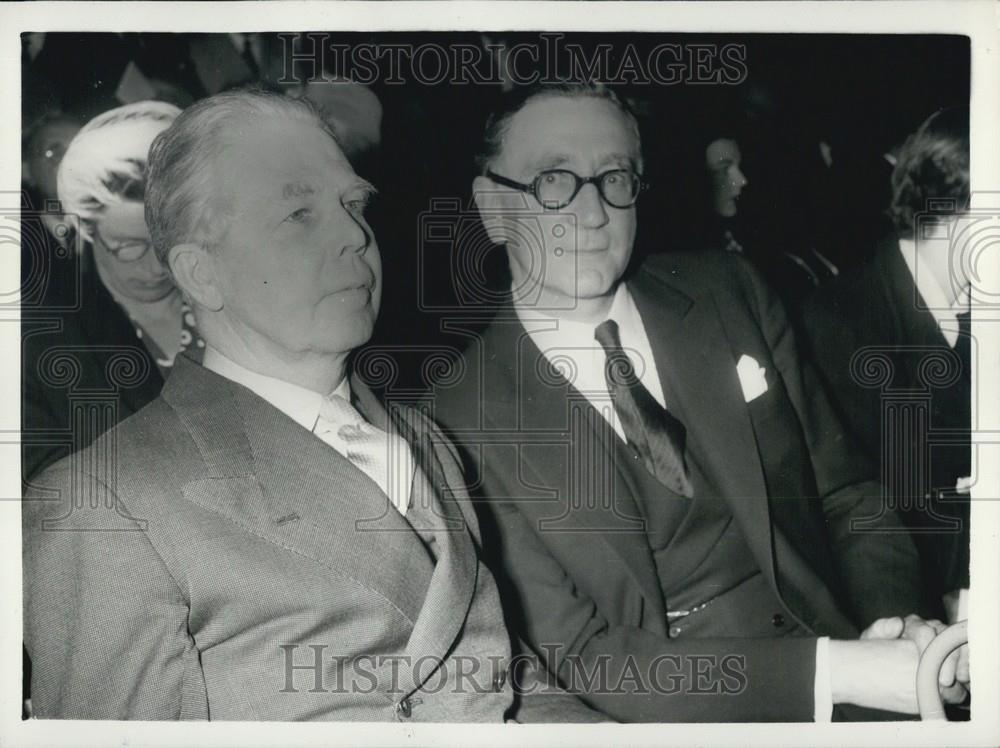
823,687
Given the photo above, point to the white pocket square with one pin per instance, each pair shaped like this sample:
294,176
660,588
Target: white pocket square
753,377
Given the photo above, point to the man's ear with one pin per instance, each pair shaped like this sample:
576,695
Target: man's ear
490,202
193,269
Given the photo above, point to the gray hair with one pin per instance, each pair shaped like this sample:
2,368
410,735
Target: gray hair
181,204
105,163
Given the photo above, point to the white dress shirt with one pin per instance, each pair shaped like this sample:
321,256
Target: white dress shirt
303,406
298,403
935,298
572,350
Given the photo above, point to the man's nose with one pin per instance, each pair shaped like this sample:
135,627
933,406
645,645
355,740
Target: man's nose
354,237
739,178
590,207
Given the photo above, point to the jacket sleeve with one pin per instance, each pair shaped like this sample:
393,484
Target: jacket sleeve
540,699
105,624
877,564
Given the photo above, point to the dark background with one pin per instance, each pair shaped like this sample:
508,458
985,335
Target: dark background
860,95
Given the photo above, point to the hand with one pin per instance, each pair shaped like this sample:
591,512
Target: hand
921,633
953,676
884,628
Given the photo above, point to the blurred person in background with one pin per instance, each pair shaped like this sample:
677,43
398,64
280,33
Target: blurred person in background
725,198
47,237
909,306
723,182
118,301
42,151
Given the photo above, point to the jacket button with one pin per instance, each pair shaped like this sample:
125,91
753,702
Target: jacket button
404,709
499,680
675,631
777,620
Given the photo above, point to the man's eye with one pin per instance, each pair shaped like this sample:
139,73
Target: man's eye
299,215
358,204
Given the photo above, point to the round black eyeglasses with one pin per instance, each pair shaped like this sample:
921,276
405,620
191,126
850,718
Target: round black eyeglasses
557,188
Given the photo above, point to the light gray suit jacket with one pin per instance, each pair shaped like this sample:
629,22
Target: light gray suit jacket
210,559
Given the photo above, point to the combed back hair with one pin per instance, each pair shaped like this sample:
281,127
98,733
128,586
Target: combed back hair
182,203
499,120
105,163
933,164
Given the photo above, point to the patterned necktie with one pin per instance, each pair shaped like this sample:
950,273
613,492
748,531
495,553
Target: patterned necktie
383,457
655,435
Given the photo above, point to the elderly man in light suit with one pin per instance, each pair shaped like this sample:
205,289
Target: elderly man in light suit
264,540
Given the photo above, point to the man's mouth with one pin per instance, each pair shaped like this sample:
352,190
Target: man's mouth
353,294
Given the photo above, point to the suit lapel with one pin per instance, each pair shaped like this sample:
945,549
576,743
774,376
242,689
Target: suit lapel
450,591
279,482
452,587
696,363
589,491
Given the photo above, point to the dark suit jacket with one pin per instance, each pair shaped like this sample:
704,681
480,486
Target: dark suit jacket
79,353
170,565
876,314
780,461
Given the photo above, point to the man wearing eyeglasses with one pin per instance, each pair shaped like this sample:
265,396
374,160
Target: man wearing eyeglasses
670,498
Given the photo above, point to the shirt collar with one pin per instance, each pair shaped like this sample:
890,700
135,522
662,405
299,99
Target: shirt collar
560,339
935,297
298,403
573,333
623,312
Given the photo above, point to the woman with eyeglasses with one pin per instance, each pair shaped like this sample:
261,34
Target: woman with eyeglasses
100,348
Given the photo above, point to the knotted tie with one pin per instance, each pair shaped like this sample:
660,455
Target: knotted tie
655,435
383,457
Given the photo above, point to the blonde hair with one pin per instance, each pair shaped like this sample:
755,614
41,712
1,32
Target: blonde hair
105,163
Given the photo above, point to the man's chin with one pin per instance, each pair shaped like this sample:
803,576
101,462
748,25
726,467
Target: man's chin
595,284
356,331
